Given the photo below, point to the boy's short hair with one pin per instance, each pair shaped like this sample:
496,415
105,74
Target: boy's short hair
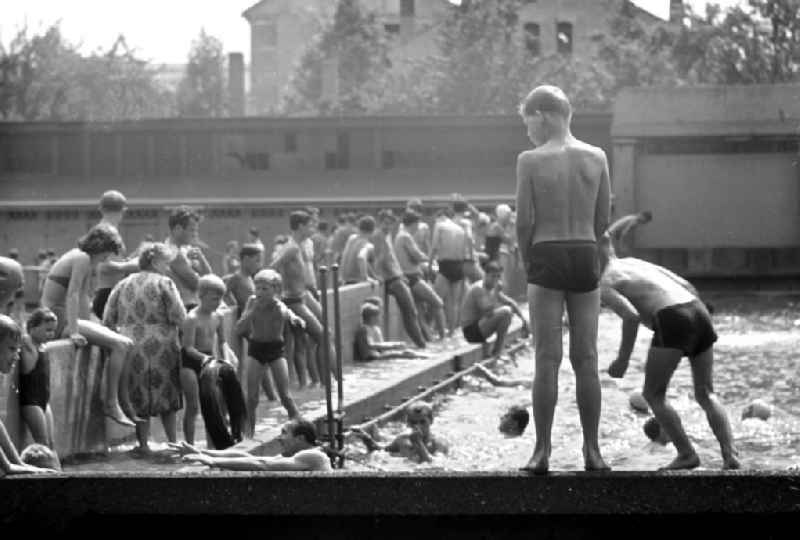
303,428
183,215
647,215
520,415
9,329
40,456
369,310
420,408
652,428
493,267
410,217
386,214
249,250
546,98
298,218
374,300
112,201
210,283
366,224
254,232
270,276
322,226
40,316
460,205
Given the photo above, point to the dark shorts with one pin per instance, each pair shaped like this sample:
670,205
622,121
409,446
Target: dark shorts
34,387
100,300
192,362
452,270
413,279
293,300
686,327
266,352
472,333
571,266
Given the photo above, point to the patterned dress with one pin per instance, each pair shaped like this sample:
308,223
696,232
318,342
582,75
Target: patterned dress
147,308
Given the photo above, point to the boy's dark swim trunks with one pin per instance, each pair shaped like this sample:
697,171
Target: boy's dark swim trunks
686,327
570,265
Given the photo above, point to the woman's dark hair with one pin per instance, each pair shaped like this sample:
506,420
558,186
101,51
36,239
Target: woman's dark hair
102,238
150,253
298,218
9,329
410,217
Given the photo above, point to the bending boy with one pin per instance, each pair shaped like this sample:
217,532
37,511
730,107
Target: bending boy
644,293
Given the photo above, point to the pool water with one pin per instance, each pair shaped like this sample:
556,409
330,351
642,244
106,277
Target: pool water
756,356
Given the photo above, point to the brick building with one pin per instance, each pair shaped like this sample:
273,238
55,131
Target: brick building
280,31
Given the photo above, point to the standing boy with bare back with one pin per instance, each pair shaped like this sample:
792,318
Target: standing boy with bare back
292,266
263,323
563,206
202,338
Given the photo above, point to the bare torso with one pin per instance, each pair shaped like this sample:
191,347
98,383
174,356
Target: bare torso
292,267
449,241
566,187
647,286
54,292
206,327
268,321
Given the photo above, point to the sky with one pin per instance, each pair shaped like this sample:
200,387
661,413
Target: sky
162,30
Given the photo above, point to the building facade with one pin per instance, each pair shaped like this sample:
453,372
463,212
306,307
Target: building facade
281,29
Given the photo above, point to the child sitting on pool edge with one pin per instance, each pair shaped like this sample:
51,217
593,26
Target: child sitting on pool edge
418,443
368,342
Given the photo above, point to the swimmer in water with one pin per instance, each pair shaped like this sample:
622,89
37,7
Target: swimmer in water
417,444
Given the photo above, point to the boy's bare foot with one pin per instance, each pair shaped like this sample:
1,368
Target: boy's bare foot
731,463
683,463
538,464
593,461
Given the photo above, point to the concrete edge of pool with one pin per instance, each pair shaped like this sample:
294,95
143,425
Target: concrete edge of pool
428,493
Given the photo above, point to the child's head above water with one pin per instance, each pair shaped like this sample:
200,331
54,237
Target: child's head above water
654,432
514,421
42,324
40,456
420,414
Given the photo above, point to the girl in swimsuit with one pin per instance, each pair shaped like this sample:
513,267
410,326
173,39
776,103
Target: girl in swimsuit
66,293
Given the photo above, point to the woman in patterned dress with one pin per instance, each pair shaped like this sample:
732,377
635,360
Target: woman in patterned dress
147,307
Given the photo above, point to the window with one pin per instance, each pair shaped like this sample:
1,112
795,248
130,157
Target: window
392,28
564,37
330,160
290,142
532,38
266,34
406,8
342,150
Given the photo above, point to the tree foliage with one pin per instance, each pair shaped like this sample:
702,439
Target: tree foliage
339,71
201,91
44,77
480,64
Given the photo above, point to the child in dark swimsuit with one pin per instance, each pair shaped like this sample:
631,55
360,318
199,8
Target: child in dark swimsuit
263,323
34,376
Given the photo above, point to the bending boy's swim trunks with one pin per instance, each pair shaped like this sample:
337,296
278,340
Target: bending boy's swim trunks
686,327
